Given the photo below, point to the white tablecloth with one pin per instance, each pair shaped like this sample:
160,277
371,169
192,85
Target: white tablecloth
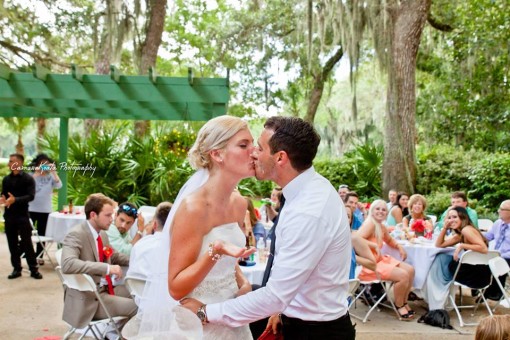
59,224
255,273
420,256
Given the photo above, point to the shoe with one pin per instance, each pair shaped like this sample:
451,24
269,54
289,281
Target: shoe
409,310
36,275
15,274
40,262
406,316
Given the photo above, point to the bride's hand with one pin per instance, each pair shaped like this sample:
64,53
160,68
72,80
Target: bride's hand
229,249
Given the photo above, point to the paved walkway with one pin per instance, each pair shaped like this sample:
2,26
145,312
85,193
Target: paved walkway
32,309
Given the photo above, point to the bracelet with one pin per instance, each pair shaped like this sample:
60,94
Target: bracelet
214,257
139,233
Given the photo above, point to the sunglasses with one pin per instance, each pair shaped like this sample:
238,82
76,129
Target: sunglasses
130,211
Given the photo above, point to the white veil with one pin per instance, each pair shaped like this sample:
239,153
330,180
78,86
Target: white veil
160,316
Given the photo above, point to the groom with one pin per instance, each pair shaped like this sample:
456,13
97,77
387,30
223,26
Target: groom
309,282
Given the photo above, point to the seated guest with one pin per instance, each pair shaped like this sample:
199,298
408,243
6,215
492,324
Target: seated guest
358,209
343,189
144,252
388,268
466,237
459,199
86,249
392,198
251,218
118,233
398,210
417,205
500,232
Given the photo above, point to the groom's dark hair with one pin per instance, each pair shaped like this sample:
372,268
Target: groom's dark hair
296,137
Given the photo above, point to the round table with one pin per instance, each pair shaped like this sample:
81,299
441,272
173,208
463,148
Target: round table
59,224
255,273
420,255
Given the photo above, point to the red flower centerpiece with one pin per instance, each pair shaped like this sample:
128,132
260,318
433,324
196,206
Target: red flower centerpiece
418,227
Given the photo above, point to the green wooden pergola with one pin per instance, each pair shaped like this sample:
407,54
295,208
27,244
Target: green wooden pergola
115,96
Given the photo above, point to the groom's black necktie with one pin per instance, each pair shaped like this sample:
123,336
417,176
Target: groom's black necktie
270,258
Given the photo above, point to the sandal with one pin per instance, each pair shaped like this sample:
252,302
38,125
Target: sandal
404,317
409,310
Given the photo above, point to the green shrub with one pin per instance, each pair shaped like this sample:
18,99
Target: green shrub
490,181
444,167
438,202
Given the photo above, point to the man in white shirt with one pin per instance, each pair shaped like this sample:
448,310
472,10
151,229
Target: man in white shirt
144,252
309,281
392,198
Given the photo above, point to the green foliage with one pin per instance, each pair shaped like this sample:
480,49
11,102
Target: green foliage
438,202
142,171
253,188
490,180
444,166
360,169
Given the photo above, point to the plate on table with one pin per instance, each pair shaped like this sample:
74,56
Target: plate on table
403,242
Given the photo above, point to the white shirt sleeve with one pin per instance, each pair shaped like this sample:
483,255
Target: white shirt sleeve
297,254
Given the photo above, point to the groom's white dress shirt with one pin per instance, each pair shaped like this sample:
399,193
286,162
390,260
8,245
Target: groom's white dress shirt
310,275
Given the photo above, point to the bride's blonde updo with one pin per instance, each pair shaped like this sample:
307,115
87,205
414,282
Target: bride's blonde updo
214,135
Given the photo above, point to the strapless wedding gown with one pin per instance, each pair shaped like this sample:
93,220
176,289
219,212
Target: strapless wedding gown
220,284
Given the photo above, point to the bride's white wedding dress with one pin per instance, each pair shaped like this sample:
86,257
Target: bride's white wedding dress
220,284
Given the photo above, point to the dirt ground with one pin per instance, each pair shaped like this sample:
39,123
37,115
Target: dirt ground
32,309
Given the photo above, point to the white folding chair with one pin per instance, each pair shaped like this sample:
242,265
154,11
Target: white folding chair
433,218
499,266
387,285
473,258
353,287
484,224
45,242
58,256
135,287
85,283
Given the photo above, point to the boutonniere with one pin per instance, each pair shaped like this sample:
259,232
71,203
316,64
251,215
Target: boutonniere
108,252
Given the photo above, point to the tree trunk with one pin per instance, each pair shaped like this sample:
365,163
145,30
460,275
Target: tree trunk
318,88
41,130
399,168
20,148
149,51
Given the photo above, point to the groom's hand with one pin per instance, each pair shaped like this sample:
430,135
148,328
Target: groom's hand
191,304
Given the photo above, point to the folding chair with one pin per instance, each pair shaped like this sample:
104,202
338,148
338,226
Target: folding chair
387,285
353,287
45,242
135,287
484,224
473,258
85,283
499,266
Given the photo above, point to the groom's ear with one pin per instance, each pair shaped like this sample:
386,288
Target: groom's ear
282,158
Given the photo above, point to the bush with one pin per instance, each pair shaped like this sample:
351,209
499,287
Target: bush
438,202
445,167
490,181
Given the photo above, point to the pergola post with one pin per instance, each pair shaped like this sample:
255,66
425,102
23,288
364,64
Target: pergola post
62,156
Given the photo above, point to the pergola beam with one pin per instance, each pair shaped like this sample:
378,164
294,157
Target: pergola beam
114,96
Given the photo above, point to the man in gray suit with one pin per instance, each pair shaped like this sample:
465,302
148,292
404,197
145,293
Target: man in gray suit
86,249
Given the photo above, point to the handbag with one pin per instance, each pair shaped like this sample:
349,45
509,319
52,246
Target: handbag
268,335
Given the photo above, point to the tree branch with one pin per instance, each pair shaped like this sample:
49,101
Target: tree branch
37,57
438,25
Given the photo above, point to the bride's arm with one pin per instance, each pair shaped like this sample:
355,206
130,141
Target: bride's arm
187,267
242,282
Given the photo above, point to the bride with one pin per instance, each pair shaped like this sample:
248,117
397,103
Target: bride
203,237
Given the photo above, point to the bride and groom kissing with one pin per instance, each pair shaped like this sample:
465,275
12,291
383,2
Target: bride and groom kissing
306,294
